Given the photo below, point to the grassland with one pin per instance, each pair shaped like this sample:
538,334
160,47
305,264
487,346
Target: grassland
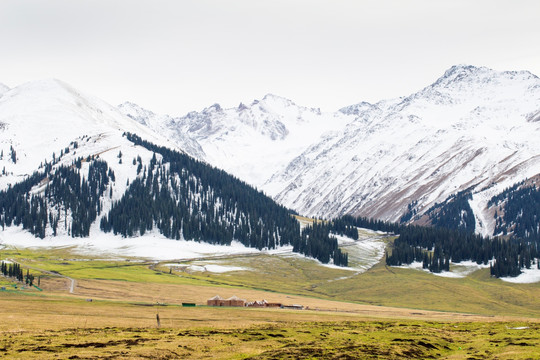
69,328
382,285
277,276
382,313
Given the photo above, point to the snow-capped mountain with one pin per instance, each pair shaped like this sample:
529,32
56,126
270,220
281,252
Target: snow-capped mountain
473,128
74,166
164,125
42,118
253,141
3,89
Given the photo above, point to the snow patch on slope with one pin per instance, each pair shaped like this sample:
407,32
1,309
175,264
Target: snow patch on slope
528,276
151,246
465,268
457,270
214,268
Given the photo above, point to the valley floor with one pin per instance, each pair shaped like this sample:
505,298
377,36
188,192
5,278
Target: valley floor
92,307
76,329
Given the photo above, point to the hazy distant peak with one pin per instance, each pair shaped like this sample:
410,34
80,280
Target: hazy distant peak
129,104
463,69
357,109
135,112
3,89
470,73
271,96
213,109
272,99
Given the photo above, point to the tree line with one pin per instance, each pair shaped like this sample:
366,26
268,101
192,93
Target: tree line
187,199
14,270
518,212
435,247
454,213
67,197
317,242
178,196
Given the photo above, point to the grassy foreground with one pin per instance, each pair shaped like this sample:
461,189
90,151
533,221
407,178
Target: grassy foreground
231,333
385,313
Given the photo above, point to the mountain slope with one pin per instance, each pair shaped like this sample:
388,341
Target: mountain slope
43,117
48,125
250,141
3,89
473,128
75,166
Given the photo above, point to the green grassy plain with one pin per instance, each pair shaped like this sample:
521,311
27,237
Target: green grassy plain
382,313
383,286
69,328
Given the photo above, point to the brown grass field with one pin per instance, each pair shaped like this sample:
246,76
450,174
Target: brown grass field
67,327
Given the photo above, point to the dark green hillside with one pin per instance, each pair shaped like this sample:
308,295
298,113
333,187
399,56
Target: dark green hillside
435,247
186,198
179,196
64,192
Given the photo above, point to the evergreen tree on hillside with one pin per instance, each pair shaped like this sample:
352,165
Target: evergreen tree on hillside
65,189
436,247
187,199
13,155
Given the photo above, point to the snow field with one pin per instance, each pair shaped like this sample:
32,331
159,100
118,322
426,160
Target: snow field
465,268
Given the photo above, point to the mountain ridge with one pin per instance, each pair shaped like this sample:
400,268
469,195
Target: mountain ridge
75,166
272,129
473,126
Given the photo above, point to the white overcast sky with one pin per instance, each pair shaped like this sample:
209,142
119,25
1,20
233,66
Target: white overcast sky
174,56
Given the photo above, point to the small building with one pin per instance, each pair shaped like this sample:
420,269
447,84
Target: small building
232,301
184,304
293,307
263,304
235,301
215,301
257,304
